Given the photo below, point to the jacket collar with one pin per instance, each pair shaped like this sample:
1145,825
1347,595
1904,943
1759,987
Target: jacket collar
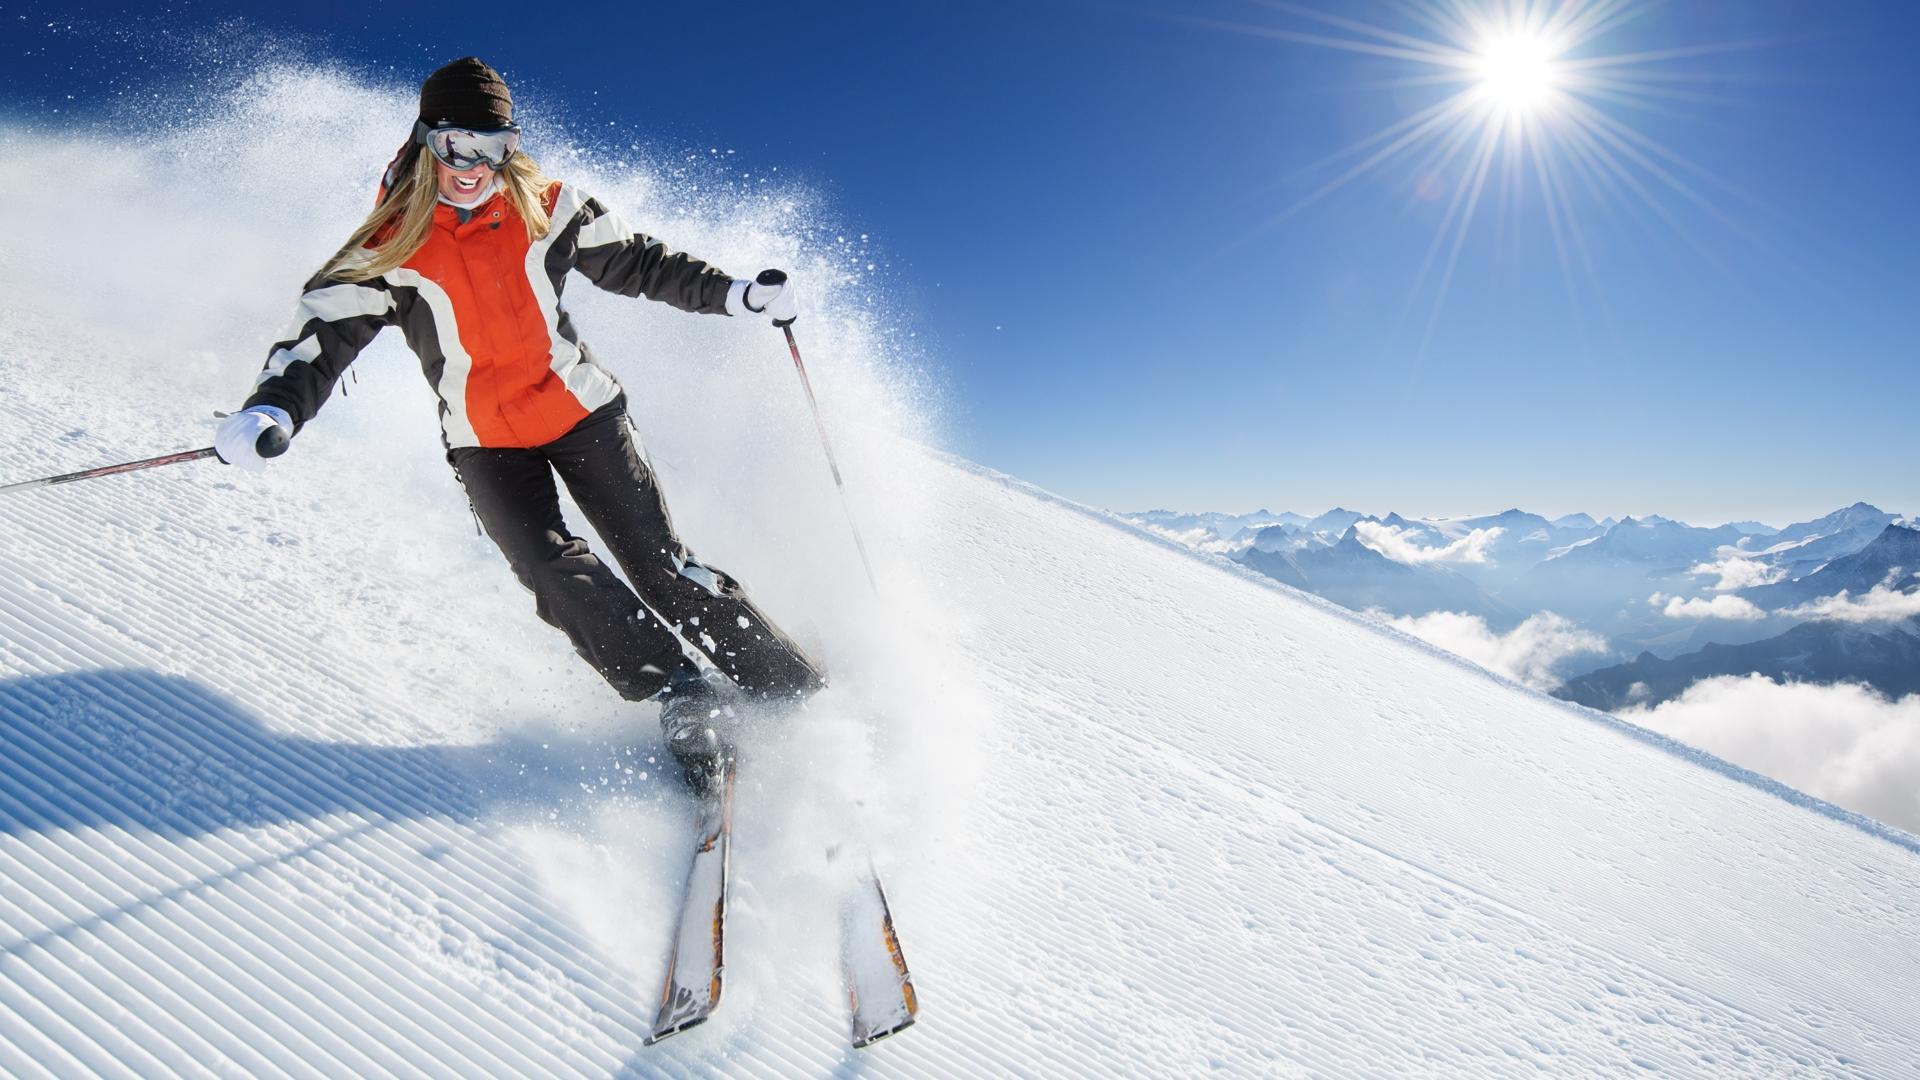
448,216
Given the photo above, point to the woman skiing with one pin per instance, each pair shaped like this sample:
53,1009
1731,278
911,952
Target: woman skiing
467,251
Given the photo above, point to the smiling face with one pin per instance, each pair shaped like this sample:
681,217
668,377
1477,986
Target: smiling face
461,185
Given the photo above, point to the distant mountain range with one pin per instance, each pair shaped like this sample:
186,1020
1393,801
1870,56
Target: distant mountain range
1881,653
1802,548
1353,575
1896,548
1221,526
1885,656
1676,602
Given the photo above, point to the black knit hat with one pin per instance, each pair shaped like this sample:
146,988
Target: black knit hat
466,93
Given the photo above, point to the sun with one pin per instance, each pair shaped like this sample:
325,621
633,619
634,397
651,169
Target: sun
1534,102
1518,72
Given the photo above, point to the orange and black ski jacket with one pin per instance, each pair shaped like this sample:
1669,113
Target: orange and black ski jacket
479,303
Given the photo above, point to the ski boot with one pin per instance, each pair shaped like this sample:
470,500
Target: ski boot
695,718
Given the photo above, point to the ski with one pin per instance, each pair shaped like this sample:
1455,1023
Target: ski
697,967
879,987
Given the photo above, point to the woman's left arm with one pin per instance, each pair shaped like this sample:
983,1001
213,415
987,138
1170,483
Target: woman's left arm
616,257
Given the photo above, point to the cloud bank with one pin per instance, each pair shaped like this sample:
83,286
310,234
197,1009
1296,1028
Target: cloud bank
1738,573
1402,545
1527,654
1720,607
1845,744
1878,604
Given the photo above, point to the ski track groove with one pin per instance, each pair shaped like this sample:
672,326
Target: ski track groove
74,870
131,976
109,987
521,1067
607,995
27,993
211,868
432,830
400,1004
523,887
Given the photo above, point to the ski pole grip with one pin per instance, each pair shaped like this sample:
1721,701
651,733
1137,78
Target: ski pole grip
272,442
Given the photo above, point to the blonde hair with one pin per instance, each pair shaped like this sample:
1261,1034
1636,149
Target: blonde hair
405,215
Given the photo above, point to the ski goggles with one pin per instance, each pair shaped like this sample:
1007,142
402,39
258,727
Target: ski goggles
463,148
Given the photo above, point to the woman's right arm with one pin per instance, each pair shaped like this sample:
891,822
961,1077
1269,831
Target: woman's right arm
332,323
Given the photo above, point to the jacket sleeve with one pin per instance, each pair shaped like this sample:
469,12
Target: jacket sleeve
618,259
332,323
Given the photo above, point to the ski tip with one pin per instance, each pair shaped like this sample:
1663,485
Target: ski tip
862,1040
673,1029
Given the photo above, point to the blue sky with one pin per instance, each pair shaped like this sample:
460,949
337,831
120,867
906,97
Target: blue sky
1077,202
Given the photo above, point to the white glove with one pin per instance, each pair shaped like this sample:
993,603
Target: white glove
238,439
770,293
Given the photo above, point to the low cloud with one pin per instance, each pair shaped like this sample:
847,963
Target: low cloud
1527,654
1880,603
1720,607
1199,538
1738,573
1402,545
1845,744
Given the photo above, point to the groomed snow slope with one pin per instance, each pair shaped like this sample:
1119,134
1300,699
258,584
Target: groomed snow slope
1222,826
292,780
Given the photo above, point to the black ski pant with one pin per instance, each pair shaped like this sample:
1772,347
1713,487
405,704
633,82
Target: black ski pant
634,641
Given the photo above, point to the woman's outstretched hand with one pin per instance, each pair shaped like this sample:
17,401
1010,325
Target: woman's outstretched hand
770,293
251,436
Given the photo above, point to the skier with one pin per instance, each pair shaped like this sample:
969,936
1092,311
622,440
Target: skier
467,251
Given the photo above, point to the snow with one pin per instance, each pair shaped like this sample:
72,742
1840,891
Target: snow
1562,551
293,781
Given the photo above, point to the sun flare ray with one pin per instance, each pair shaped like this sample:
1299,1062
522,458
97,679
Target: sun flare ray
1530,103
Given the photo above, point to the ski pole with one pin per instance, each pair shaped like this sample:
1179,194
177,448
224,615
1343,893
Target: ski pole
272,443
820,425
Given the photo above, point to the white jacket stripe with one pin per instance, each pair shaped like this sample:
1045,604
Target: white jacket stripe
458,365
336,302
589,385
307,348
608,228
